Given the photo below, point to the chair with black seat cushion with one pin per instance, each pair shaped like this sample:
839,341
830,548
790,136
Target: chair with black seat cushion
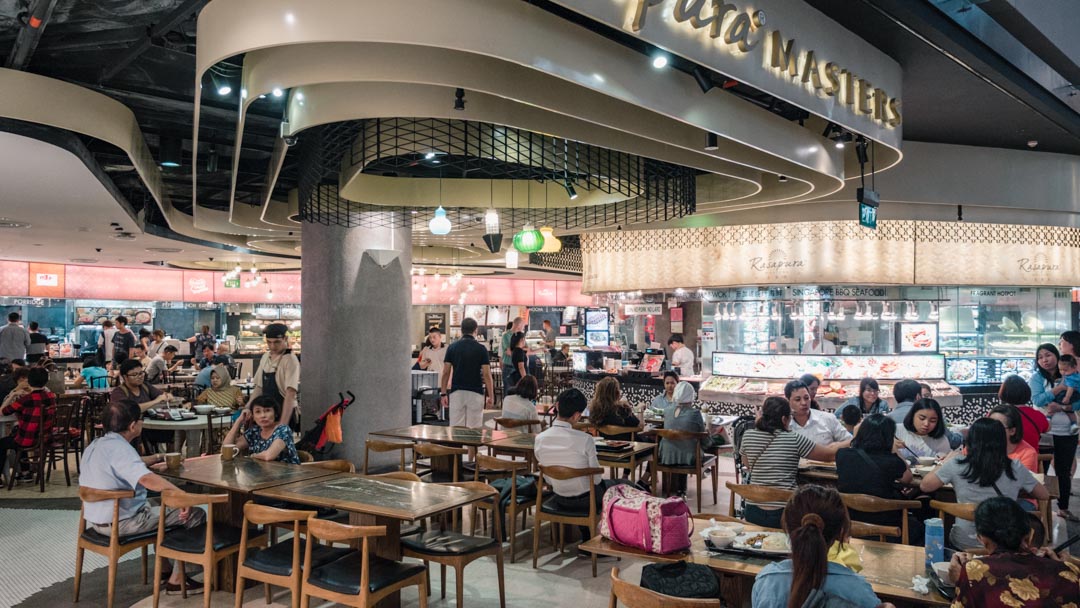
702,462
112,546
450,548
358,579
633,596
205,544
490,468
547,510
279,564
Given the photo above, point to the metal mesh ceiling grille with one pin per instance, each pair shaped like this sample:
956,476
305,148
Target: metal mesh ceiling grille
456,149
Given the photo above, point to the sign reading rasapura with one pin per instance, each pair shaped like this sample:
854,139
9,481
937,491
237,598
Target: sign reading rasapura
744,31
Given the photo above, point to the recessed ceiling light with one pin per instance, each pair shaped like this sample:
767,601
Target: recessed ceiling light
1032,143
164,249
277,92
83,260
660,61
9,224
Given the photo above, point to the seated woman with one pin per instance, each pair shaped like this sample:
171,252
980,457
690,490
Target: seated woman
923,432
608,408
868,400
666,399
683,416
871,466
221,392
522,404
1011,418
257,431
91,376
771,452
985,472
1014,574
814,519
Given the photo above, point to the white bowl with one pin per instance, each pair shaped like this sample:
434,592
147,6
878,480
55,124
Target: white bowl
734,526
927,460
203,409
722,537
942,571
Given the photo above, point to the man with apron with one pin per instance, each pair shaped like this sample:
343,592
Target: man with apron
278,376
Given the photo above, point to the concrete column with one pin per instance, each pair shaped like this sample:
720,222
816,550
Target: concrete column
356,299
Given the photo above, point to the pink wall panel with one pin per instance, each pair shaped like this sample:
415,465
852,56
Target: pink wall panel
570,294
92,282
545,293
285,287
14,279
199,286
500,292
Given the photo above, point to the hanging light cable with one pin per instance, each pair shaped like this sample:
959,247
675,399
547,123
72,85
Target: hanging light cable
440,224
529,240
492,231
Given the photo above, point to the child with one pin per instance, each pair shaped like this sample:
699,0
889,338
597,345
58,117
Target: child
851,417
1071,378
36,411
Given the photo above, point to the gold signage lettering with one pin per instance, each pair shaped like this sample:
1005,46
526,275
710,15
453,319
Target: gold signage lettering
892,116
880,99
691,10
783,54
642,8
832,78
720,12
738,33
847,92
861,101
810,71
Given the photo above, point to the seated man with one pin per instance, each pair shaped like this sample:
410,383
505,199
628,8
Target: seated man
162,365
110,463
206,359
562,445
224,357
138,353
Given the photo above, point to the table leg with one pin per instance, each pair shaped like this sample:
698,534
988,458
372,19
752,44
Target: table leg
387,546
194,443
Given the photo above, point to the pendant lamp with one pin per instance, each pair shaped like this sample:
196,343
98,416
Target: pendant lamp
440,224
529,240
511,258
551,243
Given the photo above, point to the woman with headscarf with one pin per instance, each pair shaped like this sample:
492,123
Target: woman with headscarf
221,392
682,416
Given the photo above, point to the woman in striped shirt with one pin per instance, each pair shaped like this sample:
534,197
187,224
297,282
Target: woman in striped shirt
772,454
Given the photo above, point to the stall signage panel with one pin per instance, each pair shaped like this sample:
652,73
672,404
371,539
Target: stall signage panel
784,47
987,370
632,310
827,367
435,319
44,279
47,280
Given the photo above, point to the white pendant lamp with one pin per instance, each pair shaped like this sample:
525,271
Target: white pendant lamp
511,258
440,224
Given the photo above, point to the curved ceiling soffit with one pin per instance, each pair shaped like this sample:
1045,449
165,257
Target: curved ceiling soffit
47,101
227,28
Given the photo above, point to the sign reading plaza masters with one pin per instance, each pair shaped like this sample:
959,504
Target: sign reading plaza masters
784,47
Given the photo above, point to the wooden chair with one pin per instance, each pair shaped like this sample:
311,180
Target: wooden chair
861,529
358,579
958,510
872,504
516,423
450,548
205,544
586,427
610,430
340,465
378,445
305,457
755,493
36,455
61,441
402,475
702,462
217,427
1044,462
634,596
494,468
551,513
112,546
278,564
433,451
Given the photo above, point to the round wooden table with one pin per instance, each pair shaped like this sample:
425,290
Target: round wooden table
189,430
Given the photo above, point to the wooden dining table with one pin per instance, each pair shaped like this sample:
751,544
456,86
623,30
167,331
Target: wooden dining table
448,435
375,501
888,567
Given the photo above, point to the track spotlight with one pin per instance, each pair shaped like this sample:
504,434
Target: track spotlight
839,144
703,79
860,150
570,190
170,150
221,85
711,142
277,92
660,61
782,179
459,99
429,156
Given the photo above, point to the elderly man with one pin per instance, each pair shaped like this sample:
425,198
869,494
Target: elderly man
110,463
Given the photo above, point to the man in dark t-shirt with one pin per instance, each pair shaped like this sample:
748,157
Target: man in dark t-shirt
469,363
124,339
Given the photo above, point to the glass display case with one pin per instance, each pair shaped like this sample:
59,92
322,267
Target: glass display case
1002,322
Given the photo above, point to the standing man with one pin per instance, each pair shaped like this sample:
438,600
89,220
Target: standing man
105,342
816,344
681,356
14,339
111,463
123,340
278,375
470,365
549,339
506,351
200,341
39,344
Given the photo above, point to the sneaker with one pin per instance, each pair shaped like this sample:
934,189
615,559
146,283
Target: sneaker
194,587
25,478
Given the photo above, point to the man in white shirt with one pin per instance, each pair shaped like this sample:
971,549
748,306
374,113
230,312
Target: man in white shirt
820,427
105,340
563,446
815,344
681,356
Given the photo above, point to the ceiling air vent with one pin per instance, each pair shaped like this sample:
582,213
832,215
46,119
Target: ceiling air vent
163,249
124,236
9,224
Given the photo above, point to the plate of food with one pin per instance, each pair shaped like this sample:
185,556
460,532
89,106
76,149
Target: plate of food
767,543
961,370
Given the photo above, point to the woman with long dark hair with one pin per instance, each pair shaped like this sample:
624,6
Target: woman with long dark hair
608,408
868,399
771,452
815,518
985,472
1045,386
923,431
1018,449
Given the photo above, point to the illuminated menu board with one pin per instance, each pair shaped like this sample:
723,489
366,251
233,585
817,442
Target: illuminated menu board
986,370
829,367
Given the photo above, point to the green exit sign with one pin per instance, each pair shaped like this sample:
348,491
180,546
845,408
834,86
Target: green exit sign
868,216
233,283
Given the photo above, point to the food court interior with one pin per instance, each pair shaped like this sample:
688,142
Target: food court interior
653,215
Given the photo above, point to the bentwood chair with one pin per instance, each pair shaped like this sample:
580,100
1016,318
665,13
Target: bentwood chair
279,564
614,430
445,453
450,548
490,468
702,462
359,578
205,544
754,493
633,596
35,455
380,446
112,546
548,511
865,503
517,423
1044,462
956,510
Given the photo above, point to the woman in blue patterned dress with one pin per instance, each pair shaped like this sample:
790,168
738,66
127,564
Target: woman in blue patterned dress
265,439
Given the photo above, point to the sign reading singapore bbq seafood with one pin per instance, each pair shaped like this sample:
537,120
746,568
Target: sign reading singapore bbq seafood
784,47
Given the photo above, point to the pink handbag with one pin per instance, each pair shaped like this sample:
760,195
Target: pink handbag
638,519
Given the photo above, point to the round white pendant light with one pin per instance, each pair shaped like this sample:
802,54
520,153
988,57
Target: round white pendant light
440,224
